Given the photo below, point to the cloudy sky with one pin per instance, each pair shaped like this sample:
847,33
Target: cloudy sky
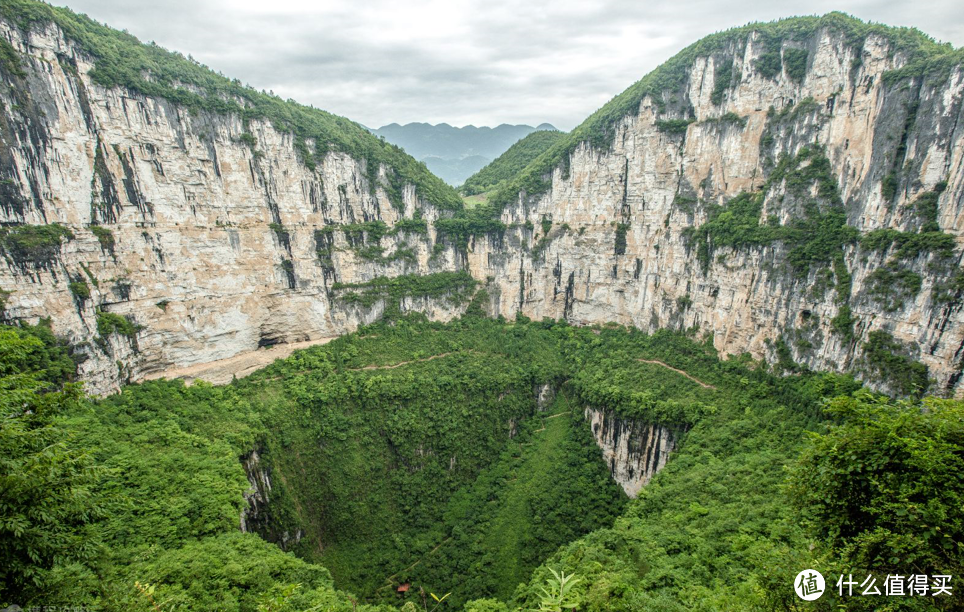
482,62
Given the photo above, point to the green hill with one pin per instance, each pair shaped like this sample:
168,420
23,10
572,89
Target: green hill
507,165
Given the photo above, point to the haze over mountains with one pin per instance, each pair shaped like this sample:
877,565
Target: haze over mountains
452,153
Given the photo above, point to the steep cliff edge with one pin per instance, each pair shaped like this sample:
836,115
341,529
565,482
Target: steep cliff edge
633,450
173,228
796,189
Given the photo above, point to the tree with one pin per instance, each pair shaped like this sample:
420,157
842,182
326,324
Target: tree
884,487
45,497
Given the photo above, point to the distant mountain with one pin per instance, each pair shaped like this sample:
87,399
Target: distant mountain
511,162
452,153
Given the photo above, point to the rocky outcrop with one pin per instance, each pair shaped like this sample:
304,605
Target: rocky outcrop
545,394
221,239
258,516
209,241
256,497
617,248
633,450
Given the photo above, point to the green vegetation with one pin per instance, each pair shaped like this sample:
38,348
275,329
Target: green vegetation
457,287
280,232
45,484
876,488
621,230
248,139
892,286
722,77
909,244
38,245
950,289
415,225
547,487
414,452
507,165
111,323
885,358
676,127
926,207
122,60
80,289
770,62
105,237
729,118
425,454
10,59
795,63
364,239
888,186
815,239
843,322
478,221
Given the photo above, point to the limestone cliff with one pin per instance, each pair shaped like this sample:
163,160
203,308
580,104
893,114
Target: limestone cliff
204,230
610,238
211,233
633,450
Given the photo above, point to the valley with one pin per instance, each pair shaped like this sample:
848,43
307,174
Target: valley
256,358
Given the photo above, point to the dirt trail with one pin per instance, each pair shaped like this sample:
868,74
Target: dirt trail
402,363
669,367
221,372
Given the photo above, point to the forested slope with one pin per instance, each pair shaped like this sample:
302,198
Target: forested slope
366,465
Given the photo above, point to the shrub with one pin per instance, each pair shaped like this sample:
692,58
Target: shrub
80,289
795,63
675,127
105,237
888,186
111,323
891,287
721,80
34,244
885,357
621,230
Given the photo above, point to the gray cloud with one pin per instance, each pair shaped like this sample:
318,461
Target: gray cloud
474,61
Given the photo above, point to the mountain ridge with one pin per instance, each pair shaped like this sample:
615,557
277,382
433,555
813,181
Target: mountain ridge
318,236
693,288
454,153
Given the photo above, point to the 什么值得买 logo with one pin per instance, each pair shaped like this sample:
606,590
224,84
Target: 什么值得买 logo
809,585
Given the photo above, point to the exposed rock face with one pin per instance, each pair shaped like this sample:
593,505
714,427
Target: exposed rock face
198,265
189,206
258,495
258,516
746,297
545,393
633,450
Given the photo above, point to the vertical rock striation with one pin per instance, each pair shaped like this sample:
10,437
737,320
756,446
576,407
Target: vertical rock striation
633,450
211,235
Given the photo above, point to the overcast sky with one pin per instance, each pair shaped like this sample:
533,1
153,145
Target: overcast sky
483,62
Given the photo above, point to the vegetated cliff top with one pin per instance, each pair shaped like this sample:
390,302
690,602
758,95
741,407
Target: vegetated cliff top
120,59
507,165
922,55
